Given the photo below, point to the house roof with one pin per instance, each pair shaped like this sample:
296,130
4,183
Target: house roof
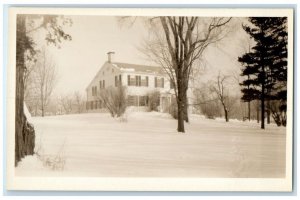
126,67
138,68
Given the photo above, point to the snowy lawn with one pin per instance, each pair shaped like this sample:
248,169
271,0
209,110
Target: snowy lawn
148,146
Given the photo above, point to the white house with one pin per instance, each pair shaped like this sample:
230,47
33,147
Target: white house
140,80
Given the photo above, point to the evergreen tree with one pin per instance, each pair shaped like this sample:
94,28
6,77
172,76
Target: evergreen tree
265,65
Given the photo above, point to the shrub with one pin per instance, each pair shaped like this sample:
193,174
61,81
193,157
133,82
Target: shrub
54,162
206,103
173,109
153,100
278,110
114,100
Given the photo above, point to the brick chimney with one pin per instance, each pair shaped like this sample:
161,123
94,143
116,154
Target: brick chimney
110,56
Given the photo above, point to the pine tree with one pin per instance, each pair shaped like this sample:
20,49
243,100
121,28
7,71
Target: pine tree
265,64
279,71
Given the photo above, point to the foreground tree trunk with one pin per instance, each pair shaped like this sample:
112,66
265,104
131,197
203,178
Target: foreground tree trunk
24,132
186,106
185,44
226,115
180,120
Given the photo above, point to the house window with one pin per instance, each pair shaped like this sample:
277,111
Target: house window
172,85
143,100
102,84
132,100
138,80
94,90
118,81
159,82
145,81
131,81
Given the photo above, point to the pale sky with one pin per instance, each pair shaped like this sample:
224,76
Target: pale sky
79,60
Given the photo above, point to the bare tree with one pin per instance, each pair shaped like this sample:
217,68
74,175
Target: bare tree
219,87
205,102
78,101
66,103
181,44
31,91
44,78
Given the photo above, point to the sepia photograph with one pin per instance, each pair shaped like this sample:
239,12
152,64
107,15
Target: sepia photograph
150,99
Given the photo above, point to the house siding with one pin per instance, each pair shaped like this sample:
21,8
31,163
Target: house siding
109,71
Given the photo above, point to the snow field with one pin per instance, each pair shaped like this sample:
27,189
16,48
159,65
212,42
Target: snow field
147,145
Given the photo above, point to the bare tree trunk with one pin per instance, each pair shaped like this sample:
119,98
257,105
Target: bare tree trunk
181,107
24,132
180,127
225,112
226,115
185,111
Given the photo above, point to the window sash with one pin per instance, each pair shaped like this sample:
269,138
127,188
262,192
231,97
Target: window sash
131,81
159,82
145,81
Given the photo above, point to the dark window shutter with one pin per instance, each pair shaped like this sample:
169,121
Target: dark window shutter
163,82
147,81
120,79
140,80
155,82
128,80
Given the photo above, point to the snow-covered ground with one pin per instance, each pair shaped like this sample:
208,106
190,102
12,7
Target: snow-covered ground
147,145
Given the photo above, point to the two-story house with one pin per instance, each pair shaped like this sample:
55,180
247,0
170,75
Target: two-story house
140,81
